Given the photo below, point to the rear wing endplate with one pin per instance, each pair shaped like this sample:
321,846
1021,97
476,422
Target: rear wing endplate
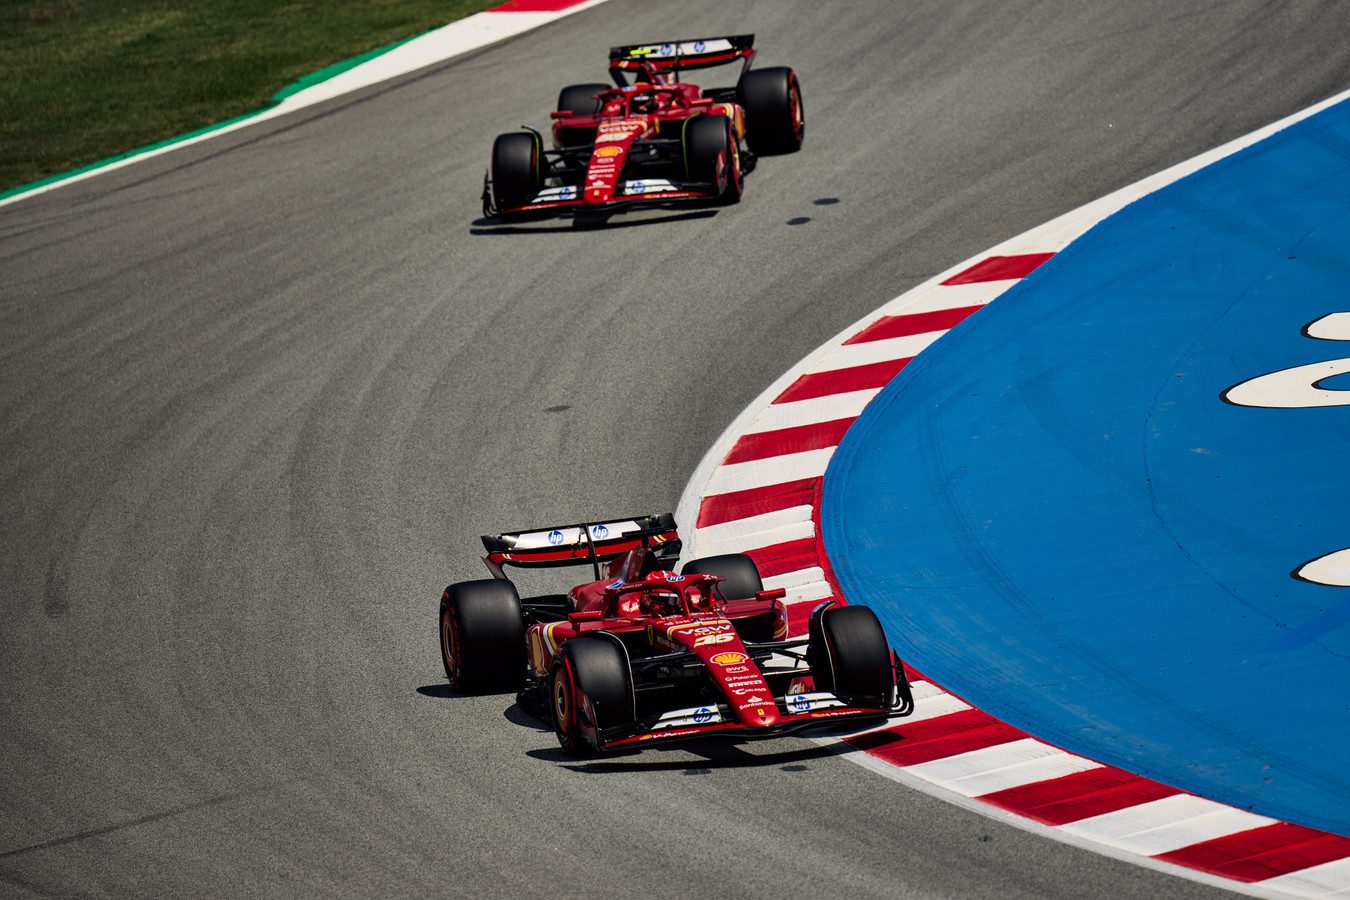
699,53
583,543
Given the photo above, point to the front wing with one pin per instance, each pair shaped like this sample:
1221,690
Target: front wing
566,199
797,711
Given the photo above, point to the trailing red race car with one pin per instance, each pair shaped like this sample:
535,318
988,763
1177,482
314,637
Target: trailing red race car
642,654
655,141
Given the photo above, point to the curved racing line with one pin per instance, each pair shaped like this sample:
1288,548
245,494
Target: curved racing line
758,491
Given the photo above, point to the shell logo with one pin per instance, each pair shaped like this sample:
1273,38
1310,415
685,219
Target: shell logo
729,659
607,152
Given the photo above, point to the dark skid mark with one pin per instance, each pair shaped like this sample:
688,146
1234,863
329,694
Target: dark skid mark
826,201
130,823
799,220
561,407
54,603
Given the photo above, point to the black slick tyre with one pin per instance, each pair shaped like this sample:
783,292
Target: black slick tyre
579,100
741,575
517,169
590,677
711,156
849,656
482,636
775,120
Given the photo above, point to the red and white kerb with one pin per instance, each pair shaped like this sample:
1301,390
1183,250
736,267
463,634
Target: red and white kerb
763,499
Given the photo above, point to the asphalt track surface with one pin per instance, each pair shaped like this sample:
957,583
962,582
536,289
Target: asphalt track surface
259,396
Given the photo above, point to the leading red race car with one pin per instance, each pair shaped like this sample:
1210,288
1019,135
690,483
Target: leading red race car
642,654
655,141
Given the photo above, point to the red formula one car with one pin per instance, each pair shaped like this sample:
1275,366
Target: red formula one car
655,141
642,654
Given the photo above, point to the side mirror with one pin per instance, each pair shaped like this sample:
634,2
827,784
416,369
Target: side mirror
593,615
771,594
561,114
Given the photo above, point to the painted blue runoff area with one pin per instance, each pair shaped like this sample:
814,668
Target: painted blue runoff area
1058,518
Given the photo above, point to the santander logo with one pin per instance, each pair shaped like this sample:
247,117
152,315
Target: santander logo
1301,387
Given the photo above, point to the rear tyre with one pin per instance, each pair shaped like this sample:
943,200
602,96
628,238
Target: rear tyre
711,156
741,575
579,100
482,636
590,677
775,120
517,169
849,656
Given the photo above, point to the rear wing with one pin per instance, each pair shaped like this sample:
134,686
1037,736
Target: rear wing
674,56
584,543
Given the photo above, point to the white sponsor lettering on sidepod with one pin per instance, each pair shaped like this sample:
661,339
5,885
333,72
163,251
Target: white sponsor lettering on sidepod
722,628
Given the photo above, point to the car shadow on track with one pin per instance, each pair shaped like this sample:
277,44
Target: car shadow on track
443,691
484,227
711,755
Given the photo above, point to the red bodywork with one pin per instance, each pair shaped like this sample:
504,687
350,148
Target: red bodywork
649,114
674,613
631,114
717,666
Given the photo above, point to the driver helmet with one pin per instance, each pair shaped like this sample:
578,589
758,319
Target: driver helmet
643,100
658,599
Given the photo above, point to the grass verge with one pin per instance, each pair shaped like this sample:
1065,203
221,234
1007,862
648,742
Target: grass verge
86,80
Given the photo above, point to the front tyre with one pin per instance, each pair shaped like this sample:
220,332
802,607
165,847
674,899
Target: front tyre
849,656
590,689
517,169
711,156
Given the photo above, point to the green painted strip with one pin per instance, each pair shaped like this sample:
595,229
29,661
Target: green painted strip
52,179
335,69
291,89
